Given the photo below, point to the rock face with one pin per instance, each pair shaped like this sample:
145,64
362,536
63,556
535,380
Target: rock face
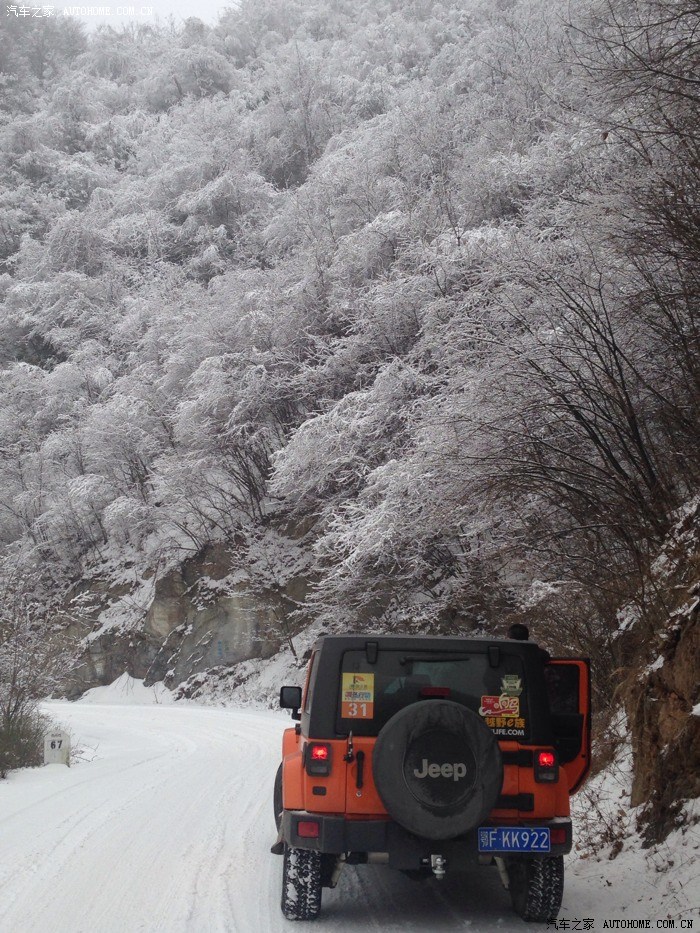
666,734
199,618
660,701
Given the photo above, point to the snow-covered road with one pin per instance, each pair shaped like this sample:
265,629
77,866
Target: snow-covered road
166,823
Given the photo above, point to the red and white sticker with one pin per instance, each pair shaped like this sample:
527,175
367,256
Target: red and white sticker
500,706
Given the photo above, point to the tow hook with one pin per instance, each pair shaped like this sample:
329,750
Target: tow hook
438,864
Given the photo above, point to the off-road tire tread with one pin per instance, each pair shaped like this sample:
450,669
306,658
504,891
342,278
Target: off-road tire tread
301,884
537,887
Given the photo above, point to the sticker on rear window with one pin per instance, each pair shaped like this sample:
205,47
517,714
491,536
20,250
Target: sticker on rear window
357,698
511,685
502,715
506,727
500,706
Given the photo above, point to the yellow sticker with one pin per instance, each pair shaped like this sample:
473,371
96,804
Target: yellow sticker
357,697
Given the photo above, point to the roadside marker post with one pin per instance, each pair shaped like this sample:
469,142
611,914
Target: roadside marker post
56,748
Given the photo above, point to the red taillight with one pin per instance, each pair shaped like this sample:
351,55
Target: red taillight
318,757
557,836
546,767
308,829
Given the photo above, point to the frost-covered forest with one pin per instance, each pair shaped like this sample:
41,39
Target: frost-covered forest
413,285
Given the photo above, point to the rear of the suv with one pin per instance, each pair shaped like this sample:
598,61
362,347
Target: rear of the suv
428,754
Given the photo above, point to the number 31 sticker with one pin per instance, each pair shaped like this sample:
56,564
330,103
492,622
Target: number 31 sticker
357,697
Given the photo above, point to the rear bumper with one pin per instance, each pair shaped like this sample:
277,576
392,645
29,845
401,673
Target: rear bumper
401,849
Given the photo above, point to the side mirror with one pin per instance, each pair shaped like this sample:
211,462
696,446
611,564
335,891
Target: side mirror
290,698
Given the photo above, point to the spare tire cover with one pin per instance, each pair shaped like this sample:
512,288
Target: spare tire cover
437,768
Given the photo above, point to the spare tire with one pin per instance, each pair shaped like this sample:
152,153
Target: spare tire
437,768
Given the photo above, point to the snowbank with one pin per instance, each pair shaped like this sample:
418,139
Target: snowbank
125,690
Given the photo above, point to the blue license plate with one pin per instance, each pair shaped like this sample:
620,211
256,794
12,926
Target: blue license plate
513,839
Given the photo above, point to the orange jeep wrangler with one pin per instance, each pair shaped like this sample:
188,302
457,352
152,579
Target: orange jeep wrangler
426,754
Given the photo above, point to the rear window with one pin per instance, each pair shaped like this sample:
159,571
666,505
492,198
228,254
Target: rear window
370,694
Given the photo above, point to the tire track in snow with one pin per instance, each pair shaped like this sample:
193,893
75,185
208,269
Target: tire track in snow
134,847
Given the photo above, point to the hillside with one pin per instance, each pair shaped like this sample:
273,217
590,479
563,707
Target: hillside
356,314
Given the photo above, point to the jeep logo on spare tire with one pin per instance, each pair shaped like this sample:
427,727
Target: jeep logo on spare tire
439,769
434,770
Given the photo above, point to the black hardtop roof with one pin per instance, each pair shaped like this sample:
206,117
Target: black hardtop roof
406,642
320,719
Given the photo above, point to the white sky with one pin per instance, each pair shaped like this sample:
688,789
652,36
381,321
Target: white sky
92,12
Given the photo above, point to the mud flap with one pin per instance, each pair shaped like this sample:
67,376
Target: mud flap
278,847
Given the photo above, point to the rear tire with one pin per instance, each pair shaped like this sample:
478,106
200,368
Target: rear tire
301,884
537,887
